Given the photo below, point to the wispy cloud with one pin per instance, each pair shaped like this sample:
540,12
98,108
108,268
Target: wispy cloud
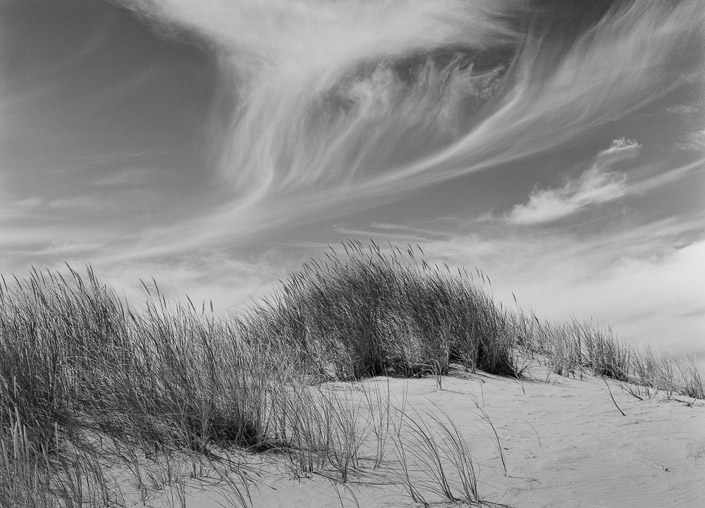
79,202
696,141
595,186
338,106
129,176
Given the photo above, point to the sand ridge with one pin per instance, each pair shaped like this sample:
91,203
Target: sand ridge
565,444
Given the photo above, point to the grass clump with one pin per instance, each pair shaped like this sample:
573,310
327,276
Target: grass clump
368,313
85,382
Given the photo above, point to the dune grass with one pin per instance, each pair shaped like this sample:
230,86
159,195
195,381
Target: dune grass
88,384
368,313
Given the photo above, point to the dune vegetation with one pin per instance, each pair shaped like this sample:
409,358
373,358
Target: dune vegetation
96,395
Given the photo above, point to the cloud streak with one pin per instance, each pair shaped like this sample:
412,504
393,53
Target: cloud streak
338,106
595,186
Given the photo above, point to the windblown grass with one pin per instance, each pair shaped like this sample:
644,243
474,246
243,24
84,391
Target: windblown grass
87,383
368,313
436,448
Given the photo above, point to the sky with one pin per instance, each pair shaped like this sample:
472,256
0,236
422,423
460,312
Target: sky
558,146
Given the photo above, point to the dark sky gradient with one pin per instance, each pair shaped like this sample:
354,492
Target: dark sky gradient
559,146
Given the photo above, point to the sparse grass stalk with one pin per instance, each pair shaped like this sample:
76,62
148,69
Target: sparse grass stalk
435,459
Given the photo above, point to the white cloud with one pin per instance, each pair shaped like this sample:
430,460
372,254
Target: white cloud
546,206
594,186
621,148
323,124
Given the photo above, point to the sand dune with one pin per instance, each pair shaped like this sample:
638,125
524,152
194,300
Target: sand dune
564,441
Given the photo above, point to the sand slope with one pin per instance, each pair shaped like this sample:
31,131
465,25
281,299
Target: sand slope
564,441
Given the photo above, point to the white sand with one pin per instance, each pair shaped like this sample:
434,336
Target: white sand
564,441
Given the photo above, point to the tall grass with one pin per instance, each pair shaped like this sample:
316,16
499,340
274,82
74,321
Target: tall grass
367,313
86,382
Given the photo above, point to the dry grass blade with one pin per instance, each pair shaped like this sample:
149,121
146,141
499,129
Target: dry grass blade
612,397
435,458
